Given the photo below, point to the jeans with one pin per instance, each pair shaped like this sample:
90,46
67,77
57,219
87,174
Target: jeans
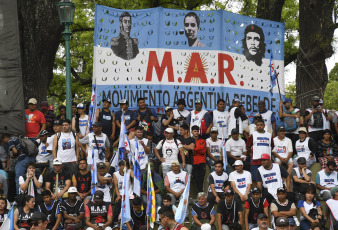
70,168
198,172
165,169
304,225
20,168
211,163
158,199
188,168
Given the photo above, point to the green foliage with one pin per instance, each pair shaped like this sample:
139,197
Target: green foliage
330,95
290,92
333,75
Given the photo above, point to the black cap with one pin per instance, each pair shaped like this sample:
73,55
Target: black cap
107,100
43,132
57,122
101,165
98,124
262,215
280,128
229,192
234,131
301,160
281,189
181,102
315,98
98,195
37,216
256,190
282,221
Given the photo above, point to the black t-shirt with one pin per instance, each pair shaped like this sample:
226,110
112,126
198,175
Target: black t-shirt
229,212
189,157
106,119
2,216
83,182
72,210
62,177
139,219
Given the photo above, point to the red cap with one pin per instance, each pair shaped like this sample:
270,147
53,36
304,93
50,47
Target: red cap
51,107
265,156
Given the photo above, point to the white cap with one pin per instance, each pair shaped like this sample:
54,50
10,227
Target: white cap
57,161
169,130
72,190
80,106
214,129
167,108
206,227
33,101
238,162
123,101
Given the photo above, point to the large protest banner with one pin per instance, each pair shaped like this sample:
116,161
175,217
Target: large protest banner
163,55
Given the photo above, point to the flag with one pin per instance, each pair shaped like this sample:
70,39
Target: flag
114,162
94,174
92,107
8,224
225,159
125,205
137,171
273,74
151,201
183,205
123,142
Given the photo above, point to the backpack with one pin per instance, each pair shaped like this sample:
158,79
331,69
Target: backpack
290,123
28,147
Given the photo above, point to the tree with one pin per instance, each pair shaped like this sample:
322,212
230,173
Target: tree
330,96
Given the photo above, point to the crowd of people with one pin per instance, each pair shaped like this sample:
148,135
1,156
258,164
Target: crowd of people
260,176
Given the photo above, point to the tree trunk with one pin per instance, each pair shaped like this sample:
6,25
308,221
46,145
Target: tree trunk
316,33
40,33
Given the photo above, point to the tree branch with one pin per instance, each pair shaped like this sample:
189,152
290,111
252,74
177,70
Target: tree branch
290,58
79,79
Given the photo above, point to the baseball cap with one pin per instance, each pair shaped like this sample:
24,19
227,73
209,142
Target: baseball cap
256,190
238,162
51,107
169,130
175,163
261,216
282,221
235,100
33,101
214,129
315,98
321,101
265,156
101,165
334,190
98,195
37,216
43,132
123,101
107,100
57,122
261,103
168,108
280,128
287,100
301,160
72,190
44,105
229,192
98,124
281,189
198,101
80,106
302,129
57,161
181,102
234,131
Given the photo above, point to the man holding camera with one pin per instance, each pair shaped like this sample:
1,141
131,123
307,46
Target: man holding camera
180,114
315,117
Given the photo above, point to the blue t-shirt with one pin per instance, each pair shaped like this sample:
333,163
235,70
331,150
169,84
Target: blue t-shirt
14,142
129,116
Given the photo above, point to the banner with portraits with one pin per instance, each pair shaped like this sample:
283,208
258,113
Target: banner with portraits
163,55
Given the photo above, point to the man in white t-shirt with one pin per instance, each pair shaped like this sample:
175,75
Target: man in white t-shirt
214,148
170,149
236,149
240,181
105,181
262,221
143,149
44,156
175,181
180,114
65,147
283,149
220,119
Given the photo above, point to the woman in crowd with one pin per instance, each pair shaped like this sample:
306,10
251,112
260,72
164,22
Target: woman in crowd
327,149
310,210
23,214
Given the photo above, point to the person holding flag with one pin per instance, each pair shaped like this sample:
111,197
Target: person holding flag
124,146
143,148
151,202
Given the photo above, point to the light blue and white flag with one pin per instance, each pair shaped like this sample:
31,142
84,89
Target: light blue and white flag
125,205
137,171
183,205
8,224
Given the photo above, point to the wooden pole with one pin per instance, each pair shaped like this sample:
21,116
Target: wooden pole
147,222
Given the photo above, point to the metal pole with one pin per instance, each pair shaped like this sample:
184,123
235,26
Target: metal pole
66,34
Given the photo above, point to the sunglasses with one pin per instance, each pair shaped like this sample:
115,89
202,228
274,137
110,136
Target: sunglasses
35,224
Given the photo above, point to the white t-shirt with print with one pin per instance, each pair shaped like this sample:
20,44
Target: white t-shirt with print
142,154
215,147
170,150
241,180
236,148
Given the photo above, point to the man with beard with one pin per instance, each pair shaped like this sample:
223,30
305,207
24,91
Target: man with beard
73,210
98,214
253,44
82,180
217,180
167,219
253,206
315,117
262,222
124,46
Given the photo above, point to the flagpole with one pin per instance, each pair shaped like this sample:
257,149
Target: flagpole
147,222
280,96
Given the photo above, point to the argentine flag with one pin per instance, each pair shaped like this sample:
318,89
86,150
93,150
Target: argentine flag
8,224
